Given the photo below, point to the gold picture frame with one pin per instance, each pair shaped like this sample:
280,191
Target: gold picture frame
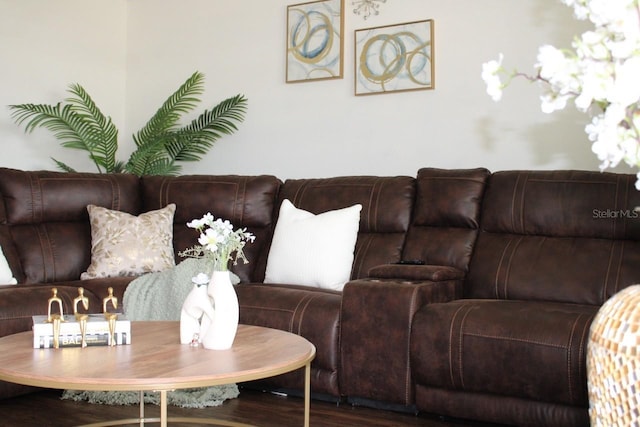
395,58
315,42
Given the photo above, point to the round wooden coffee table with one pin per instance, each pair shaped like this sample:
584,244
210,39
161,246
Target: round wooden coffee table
155,360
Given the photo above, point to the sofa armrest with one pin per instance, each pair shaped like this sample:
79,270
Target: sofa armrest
376,321
432,273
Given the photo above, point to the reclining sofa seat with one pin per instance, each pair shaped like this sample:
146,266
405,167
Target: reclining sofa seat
246,201
45,232
315,313
377,311
553,246
46,238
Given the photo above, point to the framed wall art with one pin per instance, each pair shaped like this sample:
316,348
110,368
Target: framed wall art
394,58
315,41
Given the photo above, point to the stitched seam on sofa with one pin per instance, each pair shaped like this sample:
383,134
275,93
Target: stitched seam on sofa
262,308
616,207
584,337
570,181
299,313
505,338
360,254
36,198
459,346
165,187
514,197
299,194
295,311
616,287
628,190
412,310
510,264
451,178
616,247
523,194
507,254
237,201
374,201
115,200
569,376
242,200
46,251
496,278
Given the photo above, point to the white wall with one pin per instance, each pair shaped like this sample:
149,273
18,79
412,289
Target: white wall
45,45
147,48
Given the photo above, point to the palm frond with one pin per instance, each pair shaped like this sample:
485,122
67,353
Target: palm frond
102,134
36,115
63,166
194,140
166,118
151,160
160,144
69,127
119,167
78,125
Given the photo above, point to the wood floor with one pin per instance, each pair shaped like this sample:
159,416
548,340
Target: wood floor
45,409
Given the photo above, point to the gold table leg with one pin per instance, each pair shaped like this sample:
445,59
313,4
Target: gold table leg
307,393
163,408
164,418
141,408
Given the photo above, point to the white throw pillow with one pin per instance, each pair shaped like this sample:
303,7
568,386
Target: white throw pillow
6,275
313,250
127,245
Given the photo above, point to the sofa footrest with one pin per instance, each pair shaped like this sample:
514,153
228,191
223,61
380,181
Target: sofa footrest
528,350
491,408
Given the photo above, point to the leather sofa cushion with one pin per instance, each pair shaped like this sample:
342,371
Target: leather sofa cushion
246,201
386,211
566,236
567,269
446,216
310,312
562,204
523,349
43,216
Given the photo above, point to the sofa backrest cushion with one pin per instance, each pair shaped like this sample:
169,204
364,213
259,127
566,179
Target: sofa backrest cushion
568,236
246,201
446,216
384,219
44,223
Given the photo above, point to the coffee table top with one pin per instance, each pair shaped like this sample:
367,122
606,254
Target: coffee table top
154,361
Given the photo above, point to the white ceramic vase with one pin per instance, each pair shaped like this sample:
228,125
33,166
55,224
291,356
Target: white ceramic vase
222,331
195,314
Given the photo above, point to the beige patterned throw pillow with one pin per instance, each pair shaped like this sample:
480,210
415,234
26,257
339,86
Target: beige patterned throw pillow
127,245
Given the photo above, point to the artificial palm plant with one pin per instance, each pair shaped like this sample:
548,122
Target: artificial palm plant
160,144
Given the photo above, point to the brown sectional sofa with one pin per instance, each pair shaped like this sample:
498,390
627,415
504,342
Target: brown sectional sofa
493,326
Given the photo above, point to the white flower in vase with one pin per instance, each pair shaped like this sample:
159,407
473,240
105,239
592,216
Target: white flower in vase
220,243
600,74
